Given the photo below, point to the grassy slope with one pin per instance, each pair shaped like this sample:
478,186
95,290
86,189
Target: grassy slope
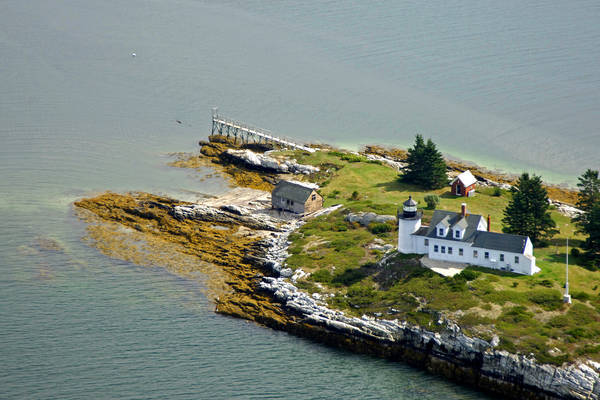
526,312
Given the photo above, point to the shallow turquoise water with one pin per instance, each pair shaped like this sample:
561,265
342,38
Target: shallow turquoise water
79,115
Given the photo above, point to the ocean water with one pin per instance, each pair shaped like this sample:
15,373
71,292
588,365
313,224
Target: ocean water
505,84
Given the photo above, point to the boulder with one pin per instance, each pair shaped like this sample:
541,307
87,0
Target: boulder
264,162
367,218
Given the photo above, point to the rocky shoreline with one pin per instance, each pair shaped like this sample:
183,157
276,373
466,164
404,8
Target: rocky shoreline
252,251
449,353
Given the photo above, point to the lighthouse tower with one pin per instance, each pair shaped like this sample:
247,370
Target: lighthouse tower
408,223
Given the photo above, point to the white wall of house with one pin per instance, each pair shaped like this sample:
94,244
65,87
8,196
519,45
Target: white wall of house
448,250
419,245
528,248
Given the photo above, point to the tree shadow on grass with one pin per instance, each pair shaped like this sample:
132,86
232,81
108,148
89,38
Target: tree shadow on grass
398,186
449,195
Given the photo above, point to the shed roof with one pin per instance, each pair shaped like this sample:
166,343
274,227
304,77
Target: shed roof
466,178
292,191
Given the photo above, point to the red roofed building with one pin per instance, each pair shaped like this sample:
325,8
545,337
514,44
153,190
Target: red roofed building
464,184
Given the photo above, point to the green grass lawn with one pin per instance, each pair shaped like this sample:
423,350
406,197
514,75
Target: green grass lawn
526,312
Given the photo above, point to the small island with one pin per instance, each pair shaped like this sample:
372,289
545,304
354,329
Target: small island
331,270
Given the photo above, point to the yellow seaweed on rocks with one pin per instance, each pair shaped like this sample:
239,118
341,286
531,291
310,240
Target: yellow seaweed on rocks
138,227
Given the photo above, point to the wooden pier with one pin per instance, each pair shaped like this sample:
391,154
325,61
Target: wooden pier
228,127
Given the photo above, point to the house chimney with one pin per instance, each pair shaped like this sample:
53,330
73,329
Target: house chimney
463,209
489,221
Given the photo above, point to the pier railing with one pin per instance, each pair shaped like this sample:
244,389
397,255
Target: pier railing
226,126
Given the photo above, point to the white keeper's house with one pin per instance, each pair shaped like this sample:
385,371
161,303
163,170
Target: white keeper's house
463,238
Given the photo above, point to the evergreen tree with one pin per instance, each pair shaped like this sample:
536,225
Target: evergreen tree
414,168
588,200
589,194
592,229
426,166
527,213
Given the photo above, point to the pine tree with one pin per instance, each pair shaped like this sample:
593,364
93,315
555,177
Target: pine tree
426,166
527,213
592,229
588,200
589,194
414,168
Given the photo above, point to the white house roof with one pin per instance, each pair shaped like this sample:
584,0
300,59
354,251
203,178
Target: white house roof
466,178
477,238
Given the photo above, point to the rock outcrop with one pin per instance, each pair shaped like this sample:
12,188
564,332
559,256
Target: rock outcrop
226,215
565,209
522,375
397,165
259,161
367,218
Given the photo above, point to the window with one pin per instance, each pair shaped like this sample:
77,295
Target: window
501,257
449,250
426,242
314,197
443,249
457,234
460,252
516,259
441,232
475,254
486,255
435,248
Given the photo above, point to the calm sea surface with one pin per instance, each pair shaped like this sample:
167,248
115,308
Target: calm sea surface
511,85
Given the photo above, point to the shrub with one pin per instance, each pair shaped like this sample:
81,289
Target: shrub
323,275
516,315
560,321
341,244
473,319
334,194
545,282
469,274
295,250
575,252
581,296
354,196
507,345
339,226
361,295
432,201
377,228
353,158
580,332
515,284
349,276
497,192
581,314
547,299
